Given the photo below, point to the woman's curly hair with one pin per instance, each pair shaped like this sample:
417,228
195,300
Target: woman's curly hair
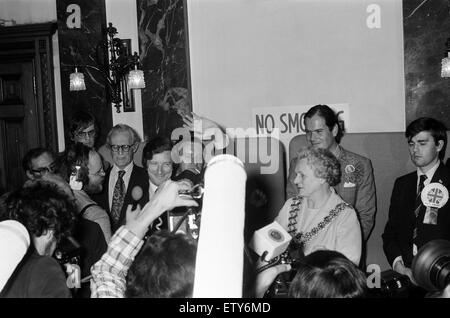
41,206
324,164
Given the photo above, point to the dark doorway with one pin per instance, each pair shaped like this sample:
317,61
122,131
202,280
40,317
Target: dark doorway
27,102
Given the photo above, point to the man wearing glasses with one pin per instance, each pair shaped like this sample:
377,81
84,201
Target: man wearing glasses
123,176
83,128
38,162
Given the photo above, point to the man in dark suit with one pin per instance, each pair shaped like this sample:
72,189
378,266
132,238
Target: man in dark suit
413,219
123,176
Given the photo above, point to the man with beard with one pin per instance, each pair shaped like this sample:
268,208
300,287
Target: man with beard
86,176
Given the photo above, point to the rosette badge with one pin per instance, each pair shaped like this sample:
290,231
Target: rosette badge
349,169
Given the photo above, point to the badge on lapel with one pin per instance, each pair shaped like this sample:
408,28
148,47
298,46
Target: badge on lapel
349,168
434,196
349,176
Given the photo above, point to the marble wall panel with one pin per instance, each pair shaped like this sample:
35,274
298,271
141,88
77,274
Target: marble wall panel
426,29
162,45
81,26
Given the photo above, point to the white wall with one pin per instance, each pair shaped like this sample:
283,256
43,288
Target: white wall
28,11
123,15
247,54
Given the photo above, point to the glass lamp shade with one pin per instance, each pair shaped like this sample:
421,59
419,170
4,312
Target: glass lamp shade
445,70
136,79
77,81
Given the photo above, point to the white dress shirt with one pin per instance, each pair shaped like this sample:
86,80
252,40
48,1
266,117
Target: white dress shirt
151,189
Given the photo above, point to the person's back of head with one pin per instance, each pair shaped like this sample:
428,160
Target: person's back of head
164,267
328,274
40,207
76,158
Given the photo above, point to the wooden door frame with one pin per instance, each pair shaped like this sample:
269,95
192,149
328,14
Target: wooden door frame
33,42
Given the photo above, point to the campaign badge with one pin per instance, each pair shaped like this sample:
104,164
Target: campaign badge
434,195
349,169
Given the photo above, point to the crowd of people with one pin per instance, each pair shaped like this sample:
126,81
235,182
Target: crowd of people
98,219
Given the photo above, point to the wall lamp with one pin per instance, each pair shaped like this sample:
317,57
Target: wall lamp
445,70
121,73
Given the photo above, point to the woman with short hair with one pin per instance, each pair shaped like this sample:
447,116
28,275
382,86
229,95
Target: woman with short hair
318,218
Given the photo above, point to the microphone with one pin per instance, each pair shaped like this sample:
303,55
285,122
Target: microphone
221,239
136,194
270,241
14,243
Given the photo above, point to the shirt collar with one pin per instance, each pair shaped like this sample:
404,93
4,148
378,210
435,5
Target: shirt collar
430,173
337,151
152,187
127,169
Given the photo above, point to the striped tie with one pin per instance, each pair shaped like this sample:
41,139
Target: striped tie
419,206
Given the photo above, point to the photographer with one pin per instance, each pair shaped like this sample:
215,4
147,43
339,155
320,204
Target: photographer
48,215
164,266
322,274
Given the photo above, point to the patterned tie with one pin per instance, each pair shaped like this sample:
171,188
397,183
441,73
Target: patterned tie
419,206
118,197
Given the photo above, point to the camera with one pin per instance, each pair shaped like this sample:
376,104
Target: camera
282,283
68,251
431,265
293,256
187,220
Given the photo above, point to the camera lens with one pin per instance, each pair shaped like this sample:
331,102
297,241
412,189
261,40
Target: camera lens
431,265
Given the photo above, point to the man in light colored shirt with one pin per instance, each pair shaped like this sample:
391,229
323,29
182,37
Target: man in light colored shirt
122,141
157,159
412,221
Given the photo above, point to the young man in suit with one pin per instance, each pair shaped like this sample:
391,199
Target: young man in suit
123,176
357,186
412,221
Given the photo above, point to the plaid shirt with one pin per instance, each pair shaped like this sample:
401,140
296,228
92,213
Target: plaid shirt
109,273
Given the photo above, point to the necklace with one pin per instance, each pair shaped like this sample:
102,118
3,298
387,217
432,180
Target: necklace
301,238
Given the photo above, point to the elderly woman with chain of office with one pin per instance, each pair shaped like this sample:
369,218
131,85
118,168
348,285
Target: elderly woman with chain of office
317,218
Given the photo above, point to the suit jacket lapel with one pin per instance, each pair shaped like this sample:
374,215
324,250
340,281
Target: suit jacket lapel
131,184
410,195
439,176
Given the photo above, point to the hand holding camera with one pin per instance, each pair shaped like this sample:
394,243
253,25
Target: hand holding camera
166,198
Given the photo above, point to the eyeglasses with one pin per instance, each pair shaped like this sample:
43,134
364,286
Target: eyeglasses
99,173
41,171
85,134
116,148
